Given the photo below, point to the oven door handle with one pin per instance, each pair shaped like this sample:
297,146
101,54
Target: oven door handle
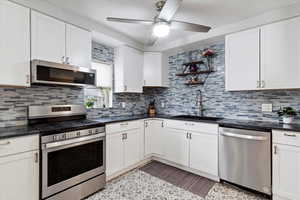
73,142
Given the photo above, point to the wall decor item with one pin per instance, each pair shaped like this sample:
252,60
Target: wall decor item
209,54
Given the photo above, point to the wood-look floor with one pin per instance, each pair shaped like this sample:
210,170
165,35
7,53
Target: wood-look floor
186,180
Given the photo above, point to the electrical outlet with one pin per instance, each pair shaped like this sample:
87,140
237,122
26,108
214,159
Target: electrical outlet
163,104
266,107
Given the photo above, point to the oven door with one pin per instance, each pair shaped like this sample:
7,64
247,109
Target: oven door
70,162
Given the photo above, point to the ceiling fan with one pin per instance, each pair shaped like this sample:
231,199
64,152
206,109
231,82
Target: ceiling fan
162,23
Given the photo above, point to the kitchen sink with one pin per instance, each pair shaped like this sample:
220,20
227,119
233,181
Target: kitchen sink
196,117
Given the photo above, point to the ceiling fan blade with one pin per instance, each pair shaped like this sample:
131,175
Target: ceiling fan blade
133,21
152,40
186,26
169,9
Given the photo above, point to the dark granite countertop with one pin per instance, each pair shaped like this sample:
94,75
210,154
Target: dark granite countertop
43,129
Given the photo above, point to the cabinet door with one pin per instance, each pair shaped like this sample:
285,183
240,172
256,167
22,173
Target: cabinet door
78,46
286,171
204,152
132,147
114,153
47,38
153,69
19,176
280,50
14,44
154,137
177,146
242,60
133,71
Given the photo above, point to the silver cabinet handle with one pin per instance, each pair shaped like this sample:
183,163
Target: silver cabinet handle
290,135
162,124
36,157
5,143
146,124
27,79
63,60
68,60
125,88
263,84
258,84
247,137
187,135
275,149
190,136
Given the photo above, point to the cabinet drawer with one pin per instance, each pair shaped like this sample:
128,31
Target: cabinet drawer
286,137
122,126
18,145
192,126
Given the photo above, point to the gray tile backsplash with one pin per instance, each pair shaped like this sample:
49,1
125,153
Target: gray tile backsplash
181,99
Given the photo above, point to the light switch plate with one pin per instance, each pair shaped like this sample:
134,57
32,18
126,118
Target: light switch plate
123,104
163,105
266,107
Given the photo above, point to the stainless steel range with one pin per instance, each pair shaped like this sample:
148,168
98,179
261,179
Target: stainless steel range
72,152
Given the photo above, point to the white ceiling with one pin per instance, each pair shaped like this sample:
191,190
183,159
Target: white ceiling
214,13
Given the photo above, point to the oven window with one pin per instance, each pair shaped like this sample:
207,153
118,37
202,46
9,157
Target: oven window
65,76
67,163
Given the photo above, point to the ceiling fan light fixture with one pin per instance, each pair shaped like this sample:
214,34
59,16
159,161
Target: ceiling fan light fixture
161,29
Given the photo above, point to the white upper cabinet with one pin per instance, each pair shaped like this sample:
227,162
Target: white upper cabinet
155,74
128,70
14,44
280,54
78,46
264,58
55,41
242,60
47,38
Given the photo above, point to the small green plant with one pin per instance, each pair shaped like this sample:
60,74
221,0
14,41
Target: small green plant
287,112
90,103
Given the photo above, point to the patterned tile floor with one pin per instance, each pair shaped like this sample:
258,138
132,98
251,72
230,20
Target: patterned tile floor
138,185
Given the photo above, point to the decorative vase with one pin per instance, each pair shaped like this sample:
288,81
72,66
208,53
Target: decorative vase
288,119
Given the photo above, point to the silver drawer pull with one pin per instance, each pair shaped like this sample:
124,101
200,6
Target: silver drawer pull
4,144
290,135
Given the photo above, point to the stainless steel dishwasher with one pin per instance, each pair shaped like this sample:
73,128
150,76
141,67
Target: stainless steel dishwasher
245,158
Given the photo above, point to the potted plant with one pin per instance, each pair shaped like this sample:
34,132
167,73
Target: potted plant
288,114
90,103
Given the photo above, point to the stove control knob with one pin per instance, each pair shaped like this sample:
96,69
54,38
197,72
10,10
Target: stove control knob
63,136
78,134
90,132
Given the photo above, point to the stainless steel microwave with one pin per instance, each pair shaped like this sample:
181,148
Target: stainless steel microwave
44,72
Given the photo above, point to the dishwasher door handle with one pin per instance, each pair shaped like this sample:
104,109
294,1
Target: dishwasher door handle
247,137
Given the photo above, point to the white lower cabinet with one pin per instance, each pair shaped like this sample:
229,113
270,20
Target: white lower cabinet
154,137
177,146
132,147
286,172
204,152
123,149
19,177
19,168
114,153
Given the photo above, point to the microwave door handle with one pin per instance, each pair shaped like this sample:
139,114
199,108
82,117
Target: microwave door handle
241,136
